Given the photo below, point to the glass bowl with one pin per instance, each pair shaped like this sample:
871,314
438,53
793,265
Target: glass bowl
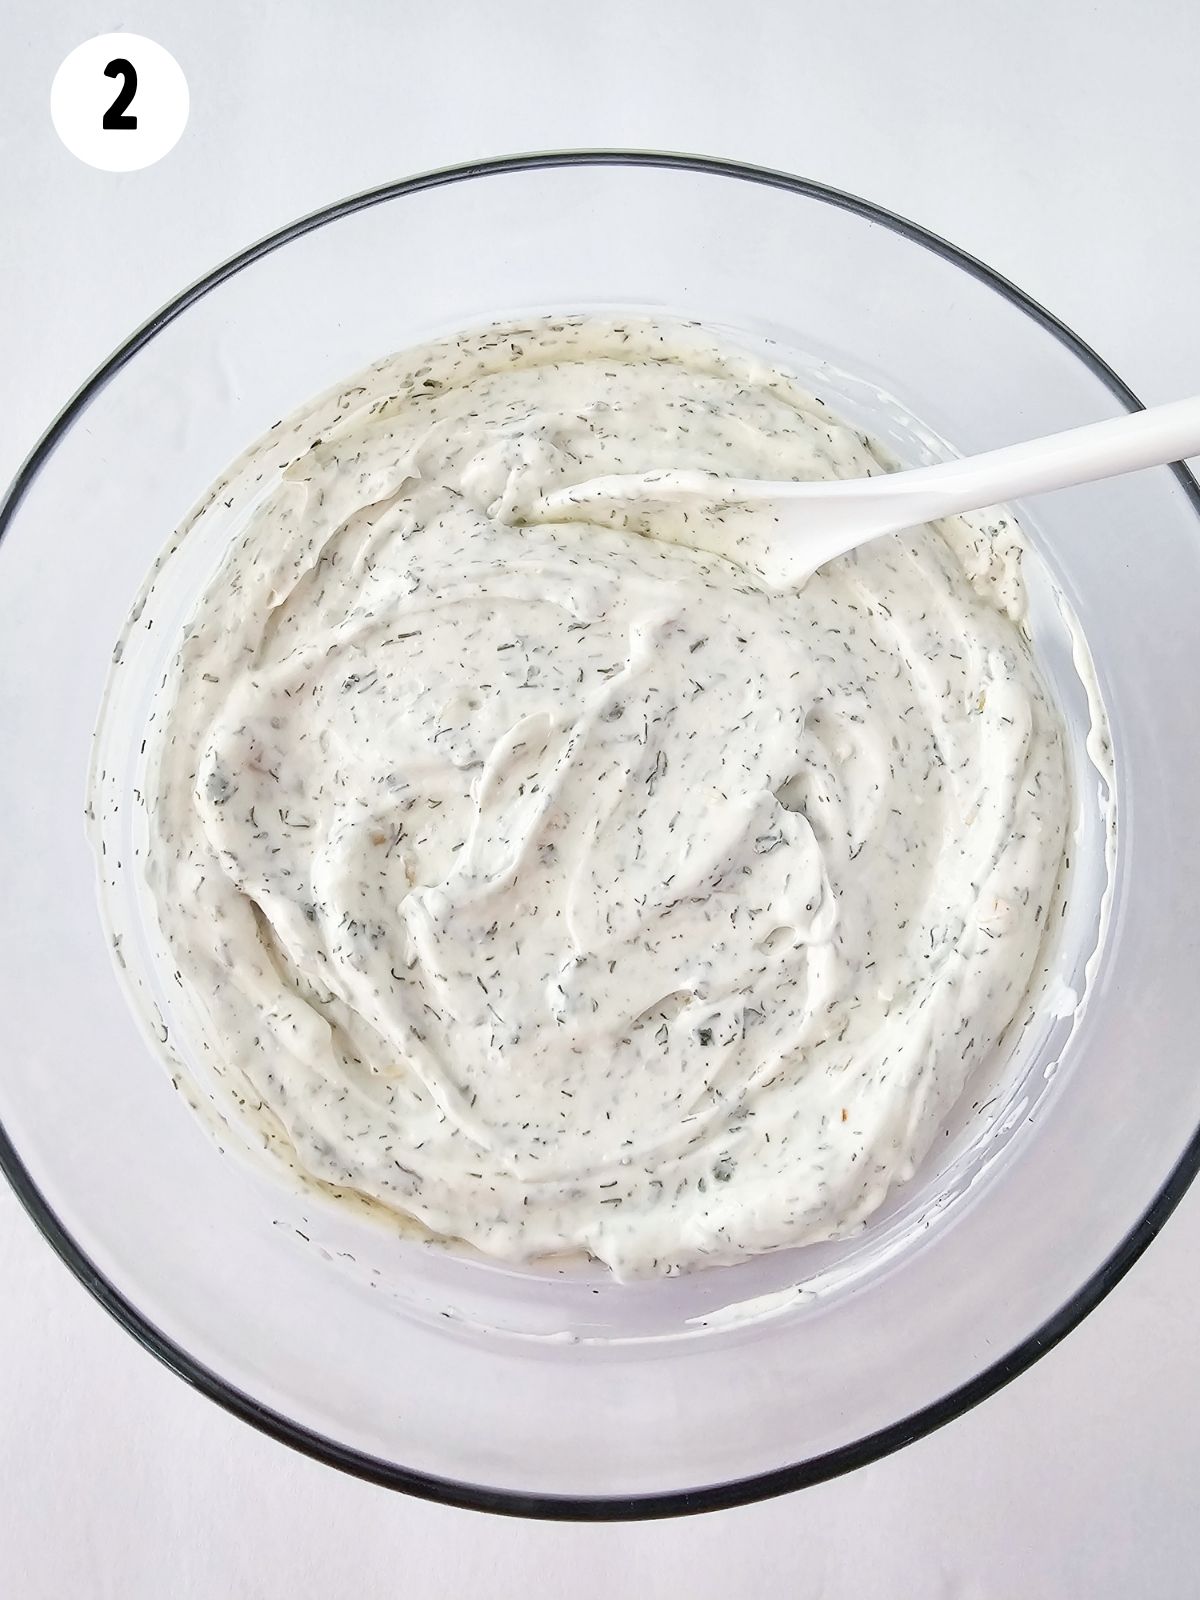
562,1393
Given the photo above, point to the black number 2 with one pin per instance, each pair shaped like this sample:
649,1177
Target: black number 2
115,116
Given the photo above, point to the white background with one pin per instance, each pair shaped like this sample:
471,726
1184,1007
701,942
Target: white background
1056,139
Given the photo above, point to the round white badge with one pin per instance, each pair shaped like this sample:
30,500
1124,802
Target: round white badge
119,102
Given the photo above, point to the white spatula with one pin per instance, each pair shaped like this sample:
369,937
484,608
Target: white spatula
826,519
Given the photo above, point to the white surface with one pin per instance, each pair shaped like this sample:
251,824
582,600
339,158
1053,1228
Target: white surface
1056,140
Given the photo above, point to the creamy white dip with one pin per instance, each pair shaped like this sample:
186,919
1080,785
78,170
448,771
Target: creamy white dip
568,888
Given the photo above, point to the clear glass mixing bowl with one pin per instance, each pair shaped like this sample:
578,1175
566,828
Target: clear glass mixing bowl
564,1394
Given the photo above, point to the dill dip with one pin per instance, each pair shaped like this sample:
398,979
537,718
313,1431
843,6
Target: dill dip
570,888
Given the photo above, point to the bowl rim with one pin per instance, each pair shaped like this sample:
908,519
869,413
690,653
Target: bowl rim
741,1491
